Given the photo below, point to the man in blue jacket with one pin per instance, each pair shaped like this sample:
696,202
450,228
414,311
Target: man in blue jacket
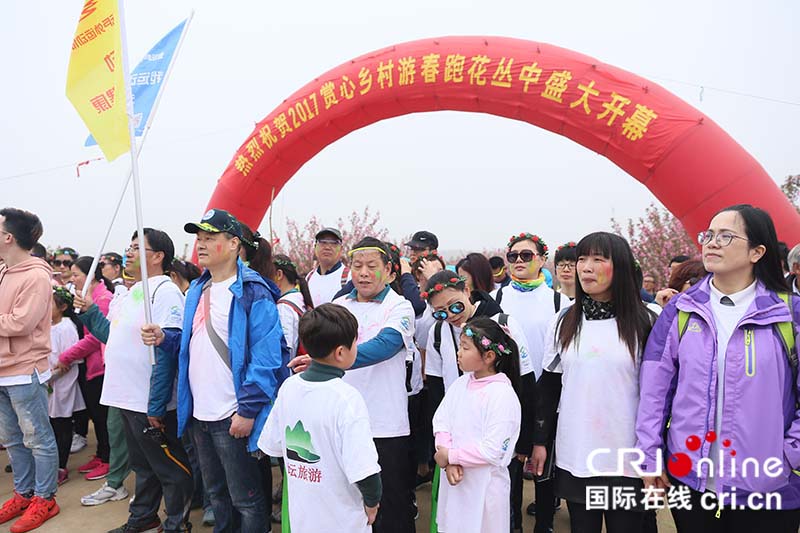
229,368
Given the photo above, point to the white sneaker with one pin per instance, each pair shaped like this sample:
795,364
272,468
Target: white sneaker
78,443
105,494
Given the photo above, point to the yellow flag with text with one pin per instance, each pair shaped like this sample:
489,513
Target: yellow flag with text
95,79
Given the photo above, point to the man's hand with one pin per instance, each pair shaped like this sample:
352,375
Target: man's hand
81,303
454,474
152,335
240,427
538,459
299,363
156,422
372,512
442,456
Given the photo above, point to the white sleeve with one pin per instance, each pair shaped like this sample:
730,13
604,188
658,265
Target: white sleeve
501,425
401,318
290,321
551,360
433,359
356,446
168,306
271,440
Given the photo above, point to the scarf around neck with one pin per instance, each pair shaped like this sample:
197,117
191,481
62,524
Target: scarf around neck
594,310
527,285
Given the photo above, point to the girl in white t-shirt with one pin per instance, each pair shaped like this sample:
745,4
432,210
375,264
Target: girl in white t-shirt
295,300
476,427
591,368
65,396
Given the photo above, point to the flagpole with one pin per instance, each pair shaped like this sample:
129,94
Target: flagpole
157,100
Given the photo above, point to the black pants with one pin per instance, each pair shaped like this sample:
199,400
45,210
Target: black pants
617,521
545,505
160,471
80,419
91,391
697,519
421,431
515,468
396,514
62,429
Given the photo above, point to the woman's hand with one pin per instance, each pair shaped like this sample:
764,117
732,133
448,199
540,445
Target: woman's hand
665,295
538,459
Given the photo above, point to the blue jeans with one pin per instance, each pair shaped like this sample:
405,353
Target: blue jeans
26,433
232,478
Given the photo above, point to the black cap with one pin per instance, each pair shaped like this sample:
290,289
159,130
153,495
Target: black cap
424,239
216,221
333,231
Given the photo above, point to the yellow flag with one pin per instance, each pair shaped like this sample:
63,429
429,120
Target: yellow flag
95,79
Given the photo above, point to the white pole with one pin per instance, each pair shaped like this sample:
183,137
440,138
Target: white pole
139,151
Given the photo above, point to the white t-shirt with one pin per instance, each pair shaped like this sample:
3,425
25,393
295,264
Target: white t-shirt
322,431
126,384
383,385
444,364
726,318
66,397
290,319
210,379
324,287
599,397
534,310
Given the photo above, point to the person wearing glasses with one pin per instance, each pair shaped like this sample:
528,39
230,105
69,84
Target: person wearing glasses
718,379
330,274
422,243
453,304
63,258
565,261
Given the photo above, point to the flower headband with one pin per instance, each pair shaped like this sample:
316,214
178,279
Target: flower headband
64,294
570,244
456,282
285,263
486,343
514,239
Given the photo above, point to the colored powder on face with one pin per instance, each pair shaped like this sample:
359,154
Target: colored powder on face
219,248
378,275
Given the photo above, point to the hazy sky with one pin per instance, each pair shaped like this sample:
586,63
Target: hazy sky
490,176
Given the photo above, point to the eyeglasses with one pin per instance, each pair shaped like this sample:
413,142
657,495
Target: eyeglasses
565,266
329,242
722,239
455,308
525,255
131,249
66,262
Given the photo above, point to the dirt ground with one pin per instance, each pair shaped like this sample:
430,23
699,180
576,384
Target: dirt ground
75,517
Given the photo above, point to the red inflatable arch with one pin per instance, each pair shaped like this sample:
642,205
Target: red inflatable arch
691,165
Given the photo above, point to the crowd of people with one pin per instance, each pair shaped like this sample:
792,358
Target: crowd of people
384,368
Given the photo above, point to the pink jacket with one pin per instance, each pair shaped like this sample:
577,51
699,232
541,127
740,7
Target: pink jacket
89,347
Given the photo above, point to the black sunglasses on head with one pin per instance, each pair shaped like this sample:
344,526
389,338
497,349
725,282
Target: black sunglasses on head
525,255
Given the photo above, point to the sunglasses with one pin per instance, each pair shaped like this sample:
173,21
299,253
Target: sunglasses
66,262
525,255
455,308
329,242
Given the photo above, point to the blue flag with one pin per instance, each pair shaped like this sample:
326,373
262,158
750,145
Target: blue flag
147,77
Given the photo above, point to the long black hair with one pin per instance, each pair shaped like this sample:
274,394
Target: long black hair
507,363
257,252
479,269
84,263
289,269
394,259
761,231
634,321
62,297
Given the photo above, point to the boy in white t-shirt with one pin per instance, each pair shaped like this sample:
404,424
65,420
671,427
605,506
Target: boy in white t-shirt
320,426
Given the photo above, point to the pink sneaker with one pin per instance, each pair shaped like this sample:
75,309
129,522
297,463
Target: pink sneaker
99,472
63,476
93,463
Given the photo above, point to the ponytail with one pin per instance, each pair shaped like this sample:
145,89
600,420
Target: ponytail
62,297
289,268
257,252
500,342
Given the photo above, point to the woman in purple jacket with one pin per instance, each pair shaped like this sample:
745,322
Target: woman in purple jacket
718,400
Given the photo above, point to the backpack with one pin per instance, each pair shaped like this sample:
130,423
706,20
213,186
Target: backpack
556,298
502,319
301,350
784,330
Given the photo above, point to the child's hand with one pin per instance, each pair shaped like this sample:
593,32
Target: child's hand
372,512
455,473
441,456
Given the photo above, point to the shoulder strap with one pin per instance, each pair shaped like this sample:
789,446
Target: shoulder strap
786,333
556,301
345,274
455,349
153,296
310,273
499,296
219,346
683,322
502,319
291,304
437,336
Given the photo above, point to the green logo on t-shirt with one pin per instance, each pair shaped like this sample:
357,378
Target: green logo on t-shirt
298,444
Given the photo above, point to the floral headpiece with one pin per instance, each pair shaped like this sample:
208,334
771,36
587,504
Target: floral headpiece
285,263
570,244
428,253
64,294
486,343
394,257
514,239
452,283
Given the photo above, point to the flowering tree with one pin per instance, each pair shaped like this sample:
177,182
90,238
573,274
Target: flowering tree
299,242
791,188
655,239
